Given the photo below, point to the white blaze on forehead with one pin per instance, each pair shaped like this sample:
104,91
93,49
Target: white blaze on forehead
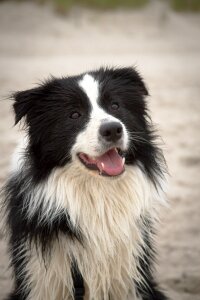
90,87
88,140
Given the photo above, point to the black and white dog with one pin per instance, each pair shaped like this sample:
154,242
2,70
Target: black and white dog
82,199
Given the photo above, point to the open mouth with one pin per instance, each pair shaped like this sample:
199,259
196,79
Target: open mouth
111,163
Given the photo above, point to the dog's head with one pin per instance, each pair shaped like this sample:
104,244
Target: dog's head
97,120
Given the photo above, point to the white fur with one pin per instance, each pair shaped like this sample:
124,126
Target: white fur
17,160
88,140
108,212
90,87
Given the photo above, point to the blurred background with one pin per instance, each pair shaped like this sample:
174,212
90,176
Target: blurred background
161,38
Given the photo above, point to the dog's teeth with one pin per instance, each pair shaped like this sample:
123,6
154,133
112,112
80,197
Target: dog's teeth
123,160
102,167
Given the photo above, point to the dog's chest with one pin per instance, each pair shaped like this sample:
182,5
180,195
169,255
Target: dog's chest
106,260
108,219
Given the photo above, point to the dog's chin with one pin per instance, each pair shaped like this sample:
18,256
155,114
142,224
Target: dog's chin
110,164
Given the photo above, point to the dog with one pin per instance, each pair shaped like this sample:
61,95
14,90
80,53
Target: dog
81,202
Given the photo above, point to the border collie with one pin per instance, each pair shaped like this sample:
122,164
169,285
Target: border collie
82,199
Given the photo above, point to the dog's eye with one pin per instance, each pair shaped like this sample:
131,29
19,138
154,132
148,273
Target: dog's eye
114,106
75,115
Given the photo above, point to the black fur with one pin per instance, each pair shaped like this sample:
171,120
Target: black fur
24,230
47,111
148,289
126,87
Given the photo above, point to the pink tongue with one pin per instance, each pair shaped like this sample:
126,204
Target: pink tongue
110,163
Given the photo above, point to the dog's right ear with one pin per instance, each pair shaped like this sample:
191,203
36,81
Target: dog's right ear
24,102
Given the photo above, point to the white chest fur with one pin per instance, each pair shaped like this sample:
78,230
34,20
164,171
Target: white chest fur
108,213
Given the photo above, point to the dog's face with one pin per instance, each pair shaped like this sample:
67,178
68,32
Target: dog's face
97,119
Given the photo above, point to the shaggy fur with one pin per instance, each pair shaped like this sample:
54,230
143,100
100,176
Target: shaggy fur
60,213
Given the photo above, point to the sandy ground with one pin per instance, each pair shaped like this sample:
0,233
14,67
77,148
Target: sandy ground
34,42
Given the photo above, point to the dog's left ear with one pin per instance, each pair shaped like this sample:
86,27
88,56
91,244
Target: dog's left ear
24,102
133,77
139,82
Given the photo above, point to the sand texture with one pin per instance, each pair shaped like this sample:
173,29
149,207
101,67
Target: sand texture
165,46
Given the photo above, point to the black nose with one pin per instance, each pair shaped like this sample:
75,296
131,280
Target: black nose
111,131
